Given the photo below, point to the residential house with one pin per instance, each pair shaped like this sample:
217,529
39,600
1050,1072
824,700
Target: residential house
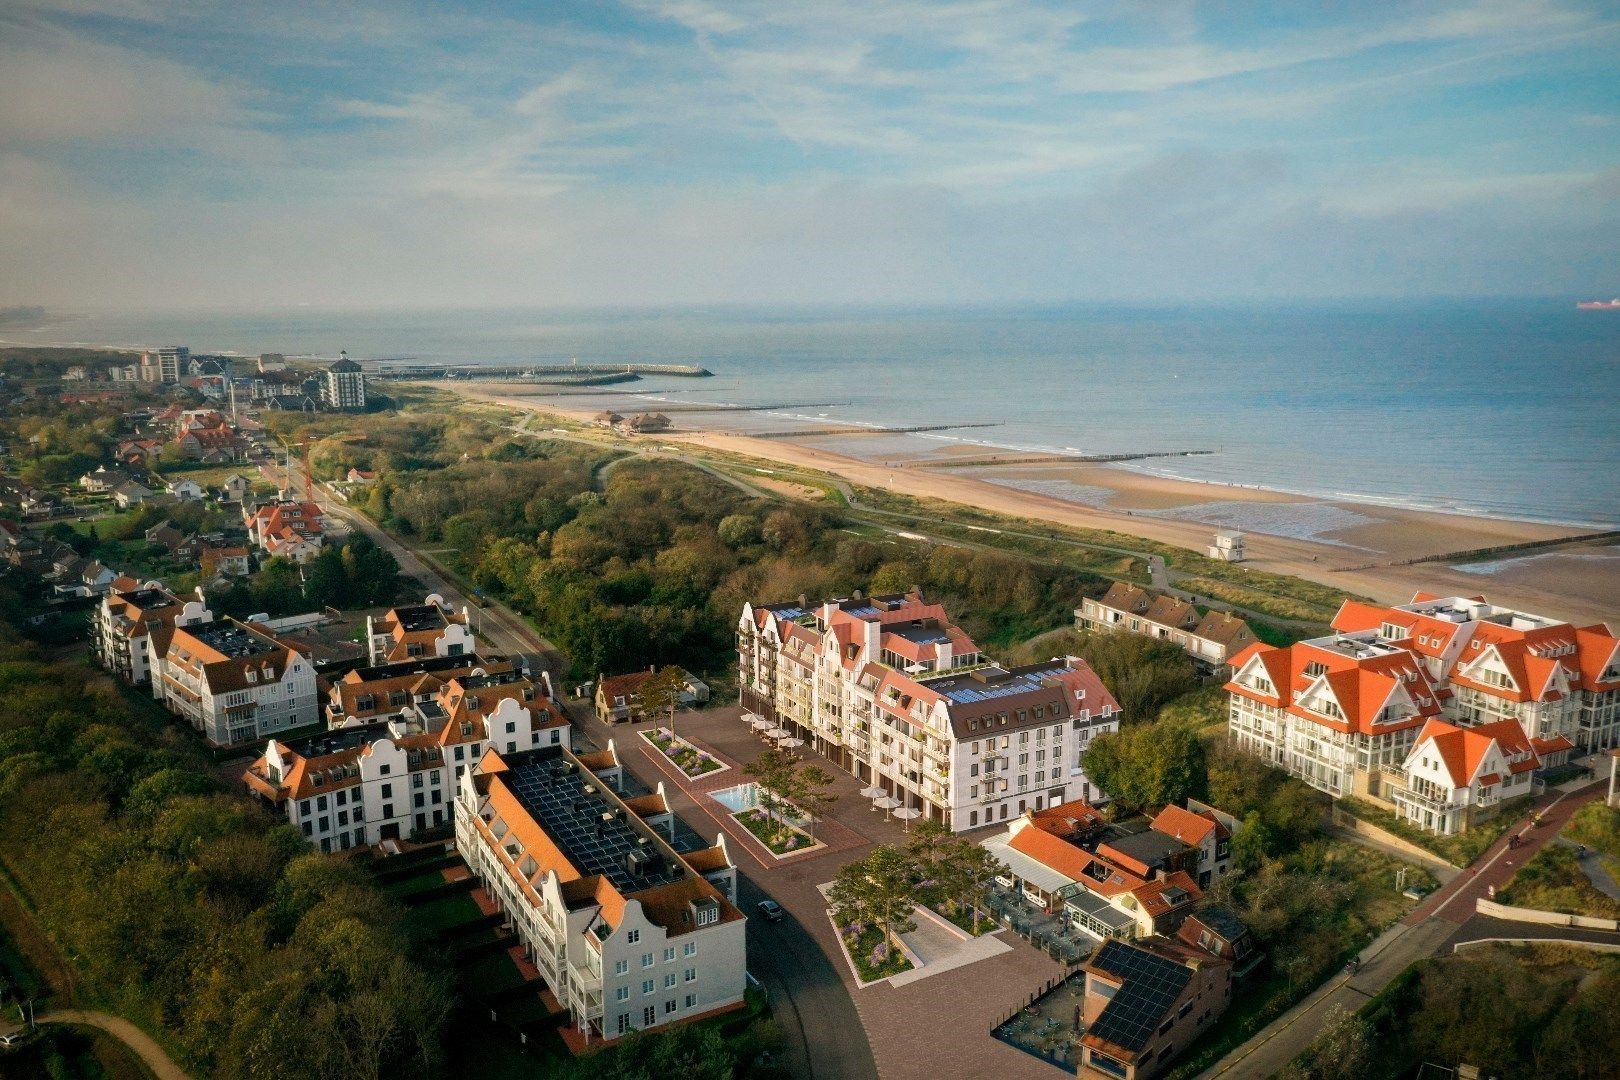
1145,1002
225,562
103,479
645,423
186,490
1454,772
361,784
1211,639
235,682
894,692
1206,831
430,628
1494,663
616,694
167,535
235,489
288,528
628,933
1215,929
129,495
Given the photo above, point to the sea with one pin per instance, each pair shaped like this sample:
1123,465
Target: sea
1499,408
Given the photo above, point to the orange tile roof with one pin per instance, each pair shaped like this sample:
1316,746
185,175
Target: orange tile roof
1184,825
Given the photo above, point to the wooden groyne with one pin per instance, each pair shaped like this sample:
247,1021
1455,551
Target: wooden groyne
1501,551
806,433
662,407
1051,459
518,372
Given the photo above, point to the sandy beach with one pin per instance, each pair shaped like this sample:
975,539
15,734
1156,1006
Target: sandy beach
1351,545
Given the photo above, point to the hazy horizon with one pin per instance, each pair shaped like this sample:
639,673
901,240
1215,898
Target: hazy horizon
673,154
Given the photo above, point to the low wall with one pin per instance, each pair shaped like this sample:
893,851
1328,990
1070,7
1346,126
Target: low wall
1343,819
1543,918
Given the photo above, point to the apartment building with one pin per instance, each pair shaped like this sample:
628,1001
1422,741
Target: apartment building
165,364
888,688
1105,879
363,783
1145,1002
431,628
289,528
343,386
1334,711
383,691
234,682
1493,663
131,628
1454,772
629,933
1211,639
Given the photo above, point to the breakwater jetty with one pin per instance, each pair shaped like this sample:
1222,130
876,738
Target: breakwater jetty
806,433
562,373
1052,459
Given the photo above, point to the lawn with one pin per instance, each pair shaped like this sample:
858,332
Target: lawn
688,758
1597,826
437,916
872,956
774,833
1459,849
1554,881
429,879
491,974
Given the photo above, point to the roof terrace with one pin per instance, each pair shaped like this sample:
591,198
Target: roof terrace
234,640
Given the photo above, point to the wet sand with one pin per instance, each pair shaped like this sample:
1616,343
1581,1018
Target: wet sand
1344,544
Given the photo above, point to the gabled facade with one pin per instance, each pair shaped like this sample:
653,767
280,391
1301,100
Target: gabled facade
431,628
1454,771
1493,663
1144,1003
1332,711
894,692
131,627
628,933
288,528
1211,639
234,682
615,695
362,784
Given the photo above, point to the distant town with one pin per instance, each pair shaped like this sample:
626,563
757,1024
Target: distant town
538,698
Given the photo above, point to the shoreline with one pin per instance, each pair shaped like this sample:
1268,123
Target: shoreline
1361,553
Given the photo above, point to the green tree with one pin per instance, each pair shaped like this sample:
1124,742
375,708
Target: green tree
776,779
811,792
738,530
659,693
877,890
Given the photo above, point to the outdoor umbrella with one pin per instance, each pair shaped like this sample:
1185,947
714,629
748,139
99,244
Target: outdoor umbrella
887,804
906,813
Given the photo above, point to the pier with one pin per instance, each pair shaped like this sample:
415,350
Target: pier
1052,459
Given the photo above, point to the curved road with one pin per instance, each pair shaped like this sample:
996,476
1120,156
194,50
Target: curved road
162,1066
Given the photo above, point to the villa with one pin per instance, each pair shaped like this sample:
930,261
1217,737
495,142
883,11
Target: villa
1211,639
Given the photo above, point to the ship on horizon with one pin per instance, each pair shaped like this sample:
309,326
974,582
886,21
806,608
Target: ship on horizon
1598,305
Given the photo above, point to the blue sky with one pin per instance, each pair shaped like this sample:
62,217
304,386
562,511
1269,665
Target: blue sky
693,152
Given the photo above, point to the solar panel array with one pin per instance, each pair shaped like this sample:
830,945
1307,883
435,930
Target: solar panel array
1152,985
555,795
963,695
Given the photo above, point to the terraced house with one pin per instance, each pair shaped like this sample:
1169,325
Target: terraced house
1211,638
364,783
892,691
628,933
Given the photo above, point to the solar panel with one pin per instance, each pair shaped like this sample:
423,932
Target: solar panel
1152,984
593,833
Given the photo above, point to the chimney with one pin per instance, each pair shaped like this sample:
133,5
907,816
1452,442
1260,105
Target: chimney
804,601
859,595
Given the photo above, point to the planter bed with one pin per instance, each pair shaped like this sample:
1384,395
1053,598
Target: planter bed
862,948
778,836
686,757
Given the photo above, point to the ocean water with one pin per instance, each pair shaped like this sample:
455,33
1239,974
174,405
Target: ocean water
1501,408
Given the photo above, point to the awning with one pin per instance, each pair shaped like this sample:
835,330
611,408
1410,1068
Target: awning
1033,871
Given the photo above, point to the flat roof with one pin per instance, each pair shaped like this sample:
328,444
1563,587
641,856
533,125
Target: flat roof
987,683
594,832
233,639
420,617
1149,846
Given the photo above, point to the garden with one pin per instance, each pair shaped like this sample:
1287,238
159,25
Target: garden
775,832
688,758
1459,849
869,950
1555,881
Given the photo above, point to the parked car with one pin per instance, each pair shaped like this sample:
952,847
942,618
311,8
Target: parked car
771,910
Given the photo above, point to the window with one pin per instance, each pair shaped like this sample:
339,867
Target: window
320,802
388,791
691,1000
416,780
689,949
622,994
669,980
647,986
649,1016
689,975
669,1006
669,954
621,966
385,769
633,936
624,1023
973,815
647,960
388,809
342,797
511,726
325,823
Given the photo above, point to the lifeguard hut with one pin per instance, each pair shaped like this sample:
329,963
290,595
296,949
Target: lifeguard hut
1228,546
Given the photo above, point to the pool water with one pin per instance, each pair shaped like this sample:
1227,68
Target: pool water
737,799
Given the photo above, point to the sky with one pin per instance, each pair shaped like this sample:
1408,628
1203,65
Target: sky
687,152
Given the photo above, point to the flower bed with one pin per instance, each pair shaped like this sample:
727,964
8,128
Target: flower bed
962,918
688,758
872,956
776,834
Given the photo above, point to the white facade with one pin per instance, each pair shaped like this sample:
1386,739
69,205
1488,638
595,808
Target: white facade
235,699
128,629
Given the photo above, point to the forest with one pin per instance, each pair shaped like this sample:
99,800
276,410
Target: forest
189,909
